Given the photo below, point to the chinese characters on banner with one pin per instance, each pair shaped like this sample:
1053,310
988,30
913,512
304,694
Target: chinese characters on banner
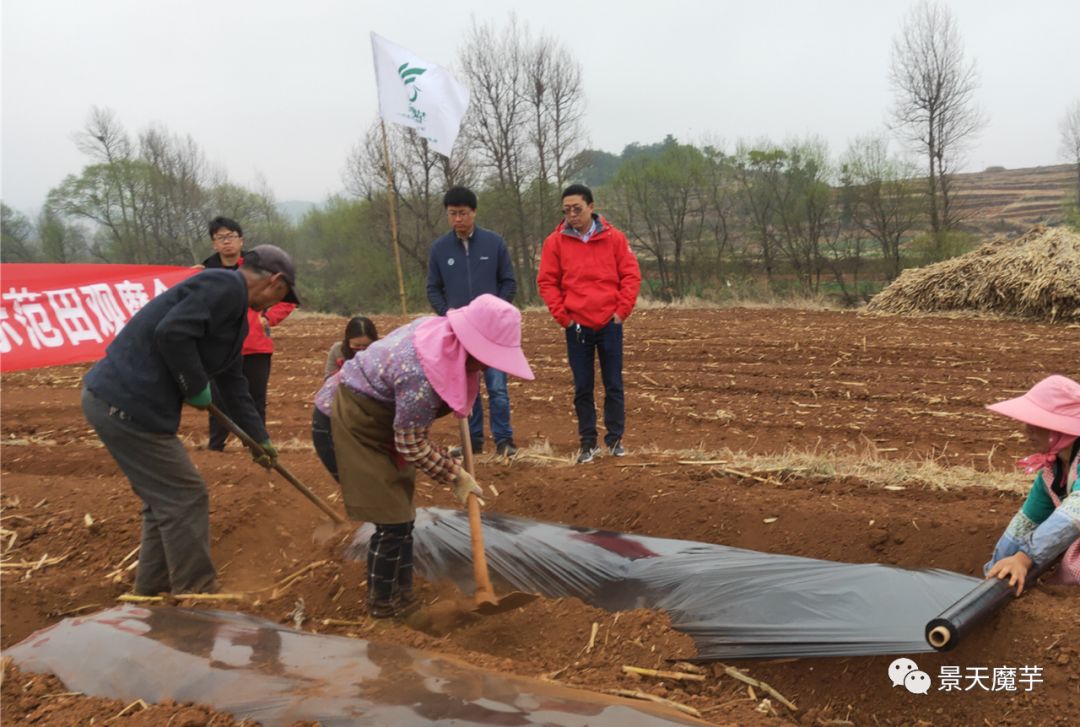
61,314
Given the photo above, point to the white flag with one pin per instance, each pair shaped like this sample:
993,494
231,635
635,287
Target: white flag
418,94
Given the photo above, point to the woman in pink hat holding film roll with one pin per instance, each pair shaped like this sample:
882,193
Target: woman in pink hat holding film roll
383,402
1048,524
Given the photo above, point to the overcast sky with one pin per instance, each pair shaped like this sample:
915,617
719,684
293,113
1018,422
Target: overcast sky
283,89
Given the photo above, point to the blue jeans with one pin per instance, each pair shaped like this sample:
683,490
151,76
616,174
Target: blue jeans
498,406
583,347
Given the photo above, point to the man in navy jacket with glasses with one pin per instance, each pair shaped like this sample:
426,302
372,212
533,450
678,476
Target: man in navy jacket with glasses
464,263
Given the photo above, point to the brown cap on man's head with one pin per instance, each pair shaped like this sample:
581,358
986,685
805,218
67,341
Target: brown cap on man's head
273,259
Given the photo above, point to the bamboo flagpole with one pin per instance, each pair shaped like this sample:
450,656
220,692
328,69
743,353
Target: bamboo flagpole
420,95
391,200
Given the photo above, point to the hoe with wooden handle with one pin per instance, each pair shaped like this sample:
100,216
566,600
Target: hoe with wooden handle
256,448
486,602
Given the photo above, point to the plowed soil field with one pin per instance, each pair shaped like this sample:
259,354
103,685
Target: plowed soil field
700,383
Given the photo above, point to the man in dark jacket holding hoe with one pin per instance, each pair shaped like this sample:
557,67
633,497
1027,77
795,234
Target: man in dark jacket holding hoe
164,357
463,264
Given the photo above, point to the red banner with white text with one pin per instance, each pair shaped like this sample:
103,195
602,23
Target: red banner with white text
60,314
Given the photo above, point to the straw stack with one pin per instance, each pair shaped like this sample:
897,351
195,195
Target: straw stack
1034,277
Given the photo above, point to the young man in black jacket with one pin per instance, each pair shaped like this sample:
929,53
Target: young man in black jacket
163,357
464,263
228,241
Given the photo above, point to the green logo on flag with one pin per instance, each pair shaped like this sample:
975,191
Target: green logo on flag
408,76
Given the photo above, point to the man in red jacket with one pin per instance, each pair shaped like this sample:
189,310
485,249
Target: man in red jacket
228,241
589,279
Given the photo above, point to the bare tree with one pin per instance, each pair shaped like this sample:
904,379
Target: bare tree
495,67
634,199
1070,142
554,95
757,167
566,111
109,191
844,250
526,124
536,89
878,196
104,139
149,200
720,201
174,210
803,207
663,203
420,176
934,105
497,124
415,166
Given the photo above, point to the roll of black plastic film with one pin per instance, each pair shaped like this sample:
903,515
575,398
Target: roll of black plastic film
958,620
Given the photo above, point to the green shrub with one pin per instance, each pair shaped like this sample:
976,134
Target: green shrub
929,248
1071,214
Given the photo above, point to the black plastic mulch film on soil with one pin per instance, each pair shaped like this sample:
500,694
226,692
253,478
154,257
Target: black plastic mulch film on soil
734,603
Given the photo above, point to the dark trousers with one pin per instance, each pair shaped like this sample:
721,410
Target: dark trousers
583,347
323,440
175,551
257,373
390,562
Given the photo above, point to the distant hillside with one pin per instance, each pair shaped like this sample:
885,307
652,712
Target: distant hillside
295,209
991,201
1014,199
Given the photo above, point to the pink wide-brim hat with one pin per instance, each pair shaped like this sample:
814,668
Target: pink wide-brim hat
490,330
1053,403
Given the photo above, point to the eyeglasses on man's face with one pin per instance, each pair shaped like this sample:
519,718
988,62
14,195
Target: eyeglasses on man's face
226,238
573,211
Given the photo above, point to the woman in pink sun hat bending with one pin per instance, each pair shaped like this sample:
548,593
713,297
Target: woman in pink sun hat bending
1048,524
383,402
